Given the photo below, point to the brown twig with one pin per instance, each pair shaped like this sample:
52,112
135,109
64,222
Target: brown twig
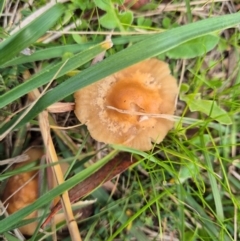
117,165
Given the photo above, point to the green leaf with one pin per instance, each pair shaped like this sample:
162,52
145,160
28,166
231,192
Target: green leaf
126,17
152,46
83,4
166,22
79,39
184,88
109,20
15,43
197,142
190,170
194,48
144,22
105,5
208,107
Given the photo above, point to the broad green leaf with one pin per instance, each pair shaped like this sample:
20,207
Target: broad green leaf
79,39
109,20
184,88
144,22
126,17
190,170
166,22
152,46
194,48
15,43
197,142
208,107
105,5
46,75
83,4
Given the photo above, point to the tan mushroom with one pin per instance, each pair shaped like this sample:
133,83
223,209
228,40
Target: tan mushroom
23,189
123,108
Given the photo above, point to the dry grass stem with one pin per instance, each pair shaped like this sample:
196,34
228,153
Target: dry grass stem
106,33
180,7
61,107
17,159
181,79
58,34
36,14
144,115
59,131
56,127
66,204
51,152
158,237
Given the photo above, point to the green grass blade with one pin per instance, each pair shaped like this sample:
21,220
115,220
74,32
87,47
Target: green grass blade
45,76
147,48
189,13
213,182
29,34
10,237
47,53
211,228
2,4
58,51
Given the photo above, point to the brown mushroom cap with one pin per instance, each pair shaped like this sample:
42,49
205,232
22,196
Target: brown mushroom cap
24,189
146,87
27,194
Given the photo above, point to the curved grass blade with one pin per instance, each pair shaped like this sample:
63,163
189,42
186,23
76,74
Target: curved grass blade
47,53
29,34
2,4
147,48
58,51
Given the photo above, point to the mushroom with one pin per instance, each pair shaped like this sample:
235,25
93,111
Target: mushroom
23,189
127,107
22,197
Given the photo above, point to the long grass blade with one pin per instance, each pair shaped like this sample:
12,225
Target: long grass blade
15,43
